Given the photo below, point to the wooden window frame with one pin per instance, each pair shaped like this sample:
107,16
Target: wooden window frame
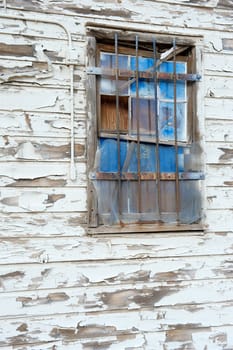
93,134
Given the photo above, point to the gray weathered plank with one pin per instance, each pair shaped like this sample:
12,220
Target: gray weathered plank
141,246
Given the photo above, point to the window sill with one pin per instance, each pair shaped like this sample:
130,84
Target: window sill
144,228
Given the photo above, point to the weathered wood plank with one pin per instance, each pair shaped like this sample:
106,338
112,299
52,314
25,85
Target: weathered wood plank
43,224
219,198
218,62
19,200
92,274
33,250
40,174
40,149
219,153
33,28
219,130
219,87
77,329
219,220
33,98
219,175
109,298
42,73
191,338
33,48
219,108
41,124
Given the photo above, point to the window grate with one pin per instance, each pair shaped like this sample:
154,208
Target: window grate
144,168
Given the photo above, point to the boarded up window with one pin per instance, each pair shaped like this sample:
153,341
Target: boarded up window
145,170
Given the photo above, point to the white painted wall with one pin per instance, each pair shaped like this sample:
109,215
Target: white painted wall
60,287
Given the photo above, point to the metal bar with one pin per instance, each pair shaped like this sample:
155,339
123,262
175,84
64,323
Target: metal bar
138,128
147,176
118,127
157,157
126,74
143,138
175,137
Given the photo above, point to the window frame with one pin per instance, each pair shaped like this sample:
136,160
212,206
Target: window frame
93,134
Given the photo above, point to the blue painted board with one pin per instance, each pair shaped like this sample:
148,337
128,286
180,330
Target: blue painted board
128,157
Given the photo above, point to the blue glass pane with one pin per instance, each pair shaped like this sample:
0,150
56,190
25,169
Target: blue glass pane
144,63
166,87
166,121
145,86
108,60
168,67
166,90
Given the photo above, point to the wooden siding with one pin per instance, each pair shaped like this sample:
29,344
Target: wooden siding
60,287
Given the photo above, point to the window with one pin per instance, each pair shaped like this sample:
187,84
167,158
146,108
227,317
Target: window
144,153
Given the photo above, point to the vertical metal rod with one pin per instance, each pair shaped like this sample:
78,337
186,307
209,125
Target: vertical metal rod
175,134
157,156
138,128
72,140
118,128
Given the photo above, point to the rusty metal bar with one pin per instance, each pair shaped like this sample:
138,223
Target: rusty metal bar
126,74
157,157
176,136
147,176
138,128
118,127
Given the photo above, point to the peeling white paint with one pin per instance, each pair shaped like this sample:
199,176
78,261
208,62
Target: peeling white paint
60,287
